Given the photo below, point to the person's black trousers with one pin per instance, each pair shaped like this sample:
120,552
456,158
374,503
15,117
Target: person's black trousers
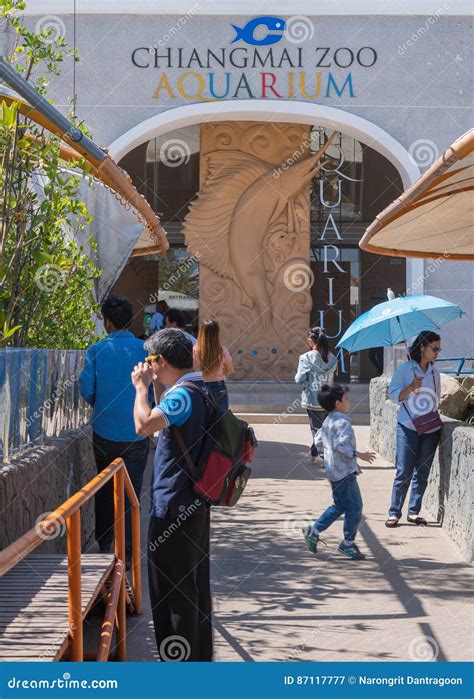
135,456
316,419
180,590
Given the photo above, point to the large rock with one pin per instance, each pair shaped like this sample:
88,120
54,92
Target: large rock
453,401
449,495
383,419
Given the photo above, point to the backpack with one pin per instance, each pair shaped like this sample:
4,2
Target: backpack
221,472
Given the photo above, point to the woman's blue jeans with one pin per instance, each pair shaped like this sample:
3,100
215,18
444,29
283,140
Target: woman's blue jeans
415,455
218,391
347,502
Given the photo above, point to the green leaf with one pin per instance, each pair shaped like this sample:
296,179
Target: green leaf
42,258
8,332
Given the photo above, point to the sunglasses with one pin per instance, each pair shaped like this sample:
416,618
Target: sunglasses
151,358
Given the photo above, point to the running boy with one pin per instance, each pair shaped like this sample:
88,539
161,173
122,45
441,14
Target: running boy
336,439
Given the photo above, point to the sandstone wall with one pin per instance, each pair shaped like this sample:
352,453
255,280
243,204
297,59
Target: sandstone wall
449,495
39,480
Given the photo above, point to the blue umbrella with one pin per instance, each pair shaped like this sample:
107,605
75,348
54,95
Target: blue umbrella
395,321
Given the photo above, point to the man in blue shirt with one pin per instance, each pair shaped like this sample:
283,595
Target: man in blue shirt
106,385
178,537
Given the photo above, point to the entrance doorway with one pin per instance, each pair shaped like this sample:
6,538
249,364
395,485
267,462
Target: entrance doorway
331,211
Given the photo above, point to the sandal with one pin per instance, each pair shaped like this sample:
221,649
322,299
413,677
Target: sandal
419,521
392,522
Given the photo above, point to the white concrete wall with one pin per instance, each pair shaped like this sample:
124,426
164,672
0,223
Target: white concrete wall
454,282
418,92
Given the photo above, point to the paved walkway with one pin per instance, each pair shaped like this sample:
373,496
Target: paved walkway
274,600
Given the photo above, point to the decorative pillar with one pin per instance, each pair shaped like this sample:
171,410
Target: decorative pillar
249,228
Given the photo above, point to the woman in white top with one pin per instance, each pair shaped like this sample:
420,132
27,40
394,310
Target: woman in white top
315,368
214,361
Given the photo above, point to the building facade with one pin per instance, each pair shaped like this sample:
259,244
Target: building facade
222,117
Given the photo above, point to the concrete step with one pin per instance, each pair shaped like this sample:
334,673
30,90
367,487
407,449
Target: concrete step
278,402
286,400
281,403
260,387
283,398
269,418
282,408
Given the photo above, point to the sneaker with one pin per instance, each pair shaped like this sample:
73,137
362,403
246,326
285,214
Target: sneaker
310,538
351,551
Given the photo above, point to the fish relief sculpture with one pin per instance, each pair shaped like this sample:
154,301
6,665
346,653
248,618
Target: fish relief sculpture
240,199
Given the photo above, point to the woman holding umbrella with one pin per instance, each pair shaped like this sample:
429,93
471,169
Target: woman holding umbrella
416,387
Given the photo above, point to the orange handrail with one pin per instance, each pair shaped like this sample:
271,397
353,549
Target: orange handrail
136,558
69,512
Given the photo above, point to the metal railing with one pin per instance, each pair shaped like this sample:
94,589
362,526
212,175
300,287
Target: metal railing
70,513
39,396
460,363
395,354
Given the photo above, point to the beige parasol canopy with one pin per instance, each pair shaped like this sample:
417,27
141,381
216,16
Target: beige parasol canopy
435,216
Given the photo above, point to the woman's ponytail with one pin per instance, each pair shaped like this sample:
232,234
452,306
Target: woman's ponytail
318,336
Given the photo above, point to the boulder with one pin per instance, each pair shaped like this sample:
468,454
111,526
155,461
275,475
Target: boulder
453,401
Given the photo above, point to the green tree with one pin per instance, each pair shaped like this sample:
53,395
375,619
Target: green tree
46,279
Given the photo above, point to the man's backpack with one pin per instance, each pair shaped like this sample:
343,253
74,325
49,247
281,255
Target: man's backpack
221,472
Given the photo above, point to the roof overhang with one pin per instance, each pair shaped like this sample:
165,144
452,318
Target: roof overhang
434,217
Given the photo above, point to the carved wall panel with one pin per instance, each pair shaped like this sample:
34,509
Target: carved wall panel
249,227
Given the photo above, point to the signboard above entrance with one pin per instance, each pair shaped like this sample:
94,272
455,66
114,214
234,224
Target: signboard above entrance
325,69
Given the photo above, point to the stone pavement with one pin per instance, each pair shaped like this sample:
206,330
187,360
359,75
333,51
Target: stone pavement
274,600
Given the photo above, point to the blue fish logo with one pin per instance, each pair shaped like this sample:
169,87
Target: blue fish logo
273,24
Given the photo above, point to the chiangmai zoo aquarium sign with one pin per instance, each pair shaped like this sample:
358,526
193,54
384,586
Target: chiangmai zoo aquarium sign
266,58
